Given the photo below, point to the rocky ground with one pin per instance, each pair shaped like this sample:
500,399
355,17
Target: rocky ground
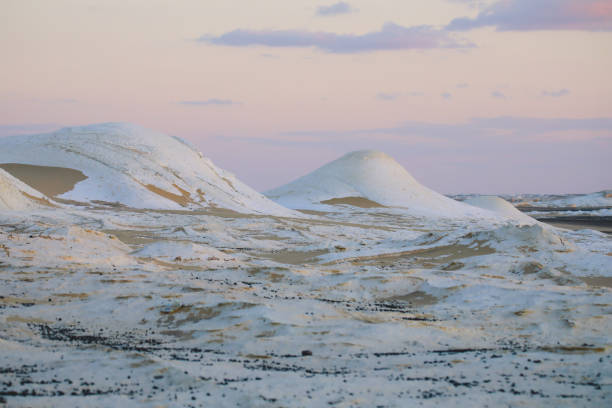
356,307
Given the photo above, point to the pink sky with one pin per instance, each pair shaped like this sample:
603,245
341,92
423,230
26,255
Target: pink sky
470,96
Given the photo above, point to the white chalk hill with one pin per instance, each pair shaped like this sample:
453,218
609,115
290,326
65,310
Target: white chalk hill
366,179
17,196
501,207
127,164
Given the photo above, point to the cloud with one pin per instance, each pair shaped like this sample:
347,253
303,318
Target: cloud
267,55
525,15
498,95
556,94
446,95
471,3
390,37
493,128
526,124
462,85
337,8
208,102
387,96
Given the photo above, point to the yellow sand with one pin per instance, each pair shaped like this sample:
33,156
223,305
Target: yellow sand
51,181
183,200
360,202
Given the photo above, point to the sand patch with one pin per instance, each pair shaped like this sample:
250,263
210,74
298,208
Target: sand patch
179,334
50,181
267,237
30,320
600,281
436,255
133,237
314,212
417,298
42,201
573,349
109,203
360,202
73,295
229,183
294,257
184,199
185,314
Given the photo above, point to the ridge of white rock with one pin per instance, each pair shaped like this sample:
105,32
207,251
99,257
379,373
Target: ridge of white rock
367,174
598,199
501,207
18,196
140,168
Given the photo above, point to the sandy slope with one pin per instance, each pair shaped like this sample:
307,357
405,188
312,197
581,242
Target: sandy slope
130,165
16,195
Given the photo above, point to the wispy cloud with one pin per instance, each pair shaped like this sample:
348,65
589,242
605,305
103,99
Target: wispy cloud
498,95
471,3
500,127
390,37
208,102
446,95
337,8
63,100
556,94
387,96
524,15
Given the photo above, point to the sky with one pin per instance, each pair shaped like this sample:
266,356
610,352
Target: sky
480,96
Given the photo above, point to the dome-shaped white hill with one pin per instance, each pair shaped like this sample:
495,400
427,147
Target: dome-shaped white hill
137,167
17,196
500,206
369,175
